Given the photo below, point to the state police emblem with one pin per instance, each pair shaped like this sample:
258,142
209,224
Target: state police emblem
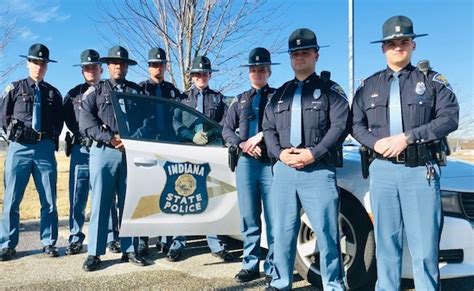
185,191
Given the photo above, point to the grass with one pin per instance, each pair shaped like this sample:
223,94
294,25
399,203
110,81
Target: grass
30,206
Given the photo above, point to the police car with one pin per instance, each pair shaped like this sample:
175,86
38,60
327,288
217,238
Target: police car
175,187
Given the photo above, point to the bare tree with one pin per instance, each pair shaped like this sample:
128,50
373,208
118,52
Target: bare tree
220,29
7,35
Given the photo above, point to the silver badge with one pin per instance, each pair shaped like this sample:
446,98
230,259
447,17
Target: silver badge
89,59
200,65
298,42
420,88
172,94
317,93
158,56
118,53
397,28
257,58
40,54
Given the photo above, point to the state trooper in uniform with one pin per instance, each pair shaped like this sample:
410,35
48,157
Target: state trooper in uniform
33,119
243,129
78,148
402,113
210,103
108,169
157,86
304,125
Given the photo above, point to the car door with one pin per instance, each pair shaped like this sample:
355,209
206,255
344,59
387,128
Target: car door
174,186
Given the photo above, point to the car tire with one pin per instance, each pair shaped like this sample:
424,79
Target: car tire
357,246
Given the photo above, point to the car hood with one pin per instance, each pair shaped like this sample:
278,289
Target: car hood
458,176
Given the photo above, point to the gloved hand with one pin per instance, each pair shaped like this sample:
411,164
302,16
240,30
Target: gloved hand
200,137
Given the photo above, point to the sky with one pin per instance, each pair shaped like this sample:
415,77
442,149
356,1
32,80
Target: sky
68,27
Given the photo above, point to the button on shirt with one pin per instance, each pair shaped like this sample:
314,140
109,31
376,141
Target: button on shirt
429,108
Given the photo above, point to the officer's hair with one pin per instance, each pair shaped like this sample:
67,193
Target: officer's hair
268,67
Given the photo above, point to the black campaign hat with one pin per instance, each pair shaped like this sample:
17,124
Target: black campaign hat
302,39
38,52
157,55
89,57
397,27
259,56
201,64
118,53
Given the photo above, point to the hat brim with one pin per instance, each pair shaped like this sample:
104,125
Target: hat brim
86,64
106,59
307,47
38,59
157,61
259,64
202,71
392,37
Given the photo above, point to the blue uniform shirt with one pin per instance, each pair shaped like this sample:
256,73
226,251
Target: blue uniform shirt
325,113
97,119
240,114
17,104
430,110
73,107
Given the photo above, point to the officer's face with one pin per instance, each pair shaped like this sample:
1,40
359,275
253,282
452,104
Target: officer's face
92,73
398,51
157,71
304,61
117,69
201,79
259,76
37,69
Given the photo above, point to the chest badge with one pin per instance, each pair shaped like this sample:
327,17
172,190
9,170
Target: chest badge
317,93
420,88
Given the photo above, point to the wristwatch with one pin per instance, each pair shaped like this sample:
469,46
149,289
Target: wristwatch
408,138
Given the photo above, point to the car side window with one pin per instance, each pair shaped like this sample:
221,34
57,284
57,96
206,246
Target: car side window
162,120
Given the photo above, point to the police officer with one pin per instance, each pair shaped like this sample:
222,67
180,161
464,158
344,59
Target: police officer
210,103
78,148
401,112
32,114
108,169
243,129
157,86
304,125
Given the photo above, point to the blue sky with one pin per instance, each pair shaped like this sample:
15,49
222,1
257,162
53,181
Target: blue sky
68,27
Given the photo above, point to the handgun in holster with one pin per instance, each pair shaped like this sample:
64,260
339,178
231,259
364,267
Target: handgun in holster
69,143
366,157
440,150
15,130
339,162
234,152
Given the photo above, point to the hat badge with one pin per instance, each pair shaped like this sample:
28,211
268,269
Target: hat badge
298,41
257,58
158,56
118,53
89,59
200,65
40,54
397,28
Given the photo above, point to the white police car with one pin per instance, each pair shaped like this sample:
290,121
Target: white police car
176,187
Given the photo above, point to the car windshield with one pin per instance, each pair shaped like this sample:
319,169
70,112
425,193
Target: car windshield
164,120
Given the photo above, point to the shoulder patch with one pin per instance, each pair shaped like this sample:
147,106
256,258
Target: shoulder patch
88,91
8,88
442,80
338,89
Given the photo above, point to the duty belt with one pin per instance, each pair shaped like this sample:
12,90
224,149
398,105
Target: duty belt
101,143
414,155
400,159
83,141
29,135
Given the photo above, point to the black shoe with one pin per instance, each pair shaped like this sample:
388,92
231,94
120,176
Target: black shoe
7,254
143,249
224,255
268,280
173,255
91,263
246,275
114,247
51,251
135,259
74,249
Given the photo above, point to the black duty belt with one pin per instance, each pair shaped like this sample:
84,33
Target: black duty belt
414,155
30,136
262,159
101,144
83,141
400,159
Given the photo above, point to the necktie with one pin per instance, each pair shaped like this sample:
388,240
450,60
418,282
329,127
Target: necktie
200,108
158,90
295,130
253,126
36,121
396,125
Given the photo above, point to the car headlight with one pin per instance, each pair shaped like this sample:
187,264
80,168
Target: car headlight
451,203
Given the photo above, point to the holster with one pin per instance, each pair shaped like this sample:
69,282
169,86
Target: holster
234,153
366,157
69,143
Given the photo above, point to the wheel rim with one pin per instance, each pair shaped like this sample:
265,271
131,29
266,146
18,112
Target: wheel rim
307,241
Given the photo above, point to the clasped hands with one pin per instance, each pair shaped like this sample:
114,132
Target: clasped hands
391,146
297,158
